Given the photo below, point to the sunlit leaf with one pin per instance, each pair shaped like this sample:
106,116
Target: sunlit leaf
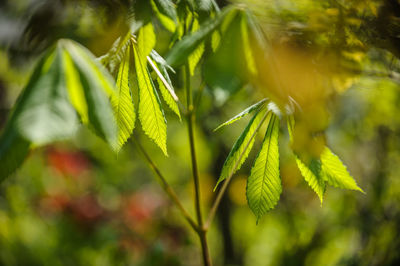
242,146
242,114
196,55
311,171
247,49
335,172
146,40
42,114
264,183
98,86
181,51
167,18
166,88
151,115
122,102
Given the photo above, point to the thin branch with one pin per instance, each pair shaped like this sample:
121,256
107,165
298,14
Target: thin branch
167,188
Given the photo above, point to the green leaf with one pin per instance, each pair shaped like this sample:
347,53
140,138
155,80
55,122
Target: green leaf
167,18
168,98
165,86
146,40
13,151
122,102
335,172
215,40
44,113
115,55
242,114
312,174
98,86
310,171
184,48
151,115
196,55
247,49
41,115
264,183
242,146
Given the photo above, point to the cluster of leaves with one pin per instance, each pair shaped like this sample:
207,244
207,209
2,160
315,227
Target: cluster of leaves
264,185
69,85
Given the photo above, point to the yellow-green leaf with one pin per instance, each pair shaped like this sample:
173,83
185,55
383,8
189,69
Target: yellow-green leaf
196,55
122,102
146,40
247,49
335,172
151,115
264,185
242,146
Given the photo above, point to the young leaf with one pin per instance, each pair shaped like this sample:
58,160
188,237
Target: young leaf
242,146
151,115
165,86
247,49
97,86
146,40
168,20
311,171
122,103
195,57
242,114
41,115
312,174
335,172
44,113
165,93
264,183
181,51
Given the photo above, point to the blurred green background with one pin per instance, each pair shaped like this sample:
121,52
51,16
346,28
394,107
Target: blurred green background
77,203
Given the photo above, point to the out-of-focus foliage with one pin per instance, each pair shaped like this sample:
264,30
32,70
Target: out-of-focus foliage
334,64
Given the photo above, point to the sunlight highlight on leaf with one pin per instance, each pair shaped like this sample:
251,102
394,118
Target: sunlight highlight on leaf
122,102
264,185
151,115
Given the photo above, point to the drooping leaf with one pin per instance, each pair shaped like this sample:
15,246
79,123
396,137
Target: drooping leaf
311,171
335,172
165,86
114,56
312,174
151,115
98,86
166,13
146,40
122,102
264,183
196,55
242,146
181,51
247,49
242,114
42,114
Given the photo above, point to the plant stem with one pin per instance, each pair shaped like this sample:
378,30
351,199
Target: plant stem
221,192
195,171
167,188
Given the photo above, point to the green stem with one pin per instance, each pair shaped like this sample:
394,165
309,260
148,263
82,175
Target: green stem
195,171
167,188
